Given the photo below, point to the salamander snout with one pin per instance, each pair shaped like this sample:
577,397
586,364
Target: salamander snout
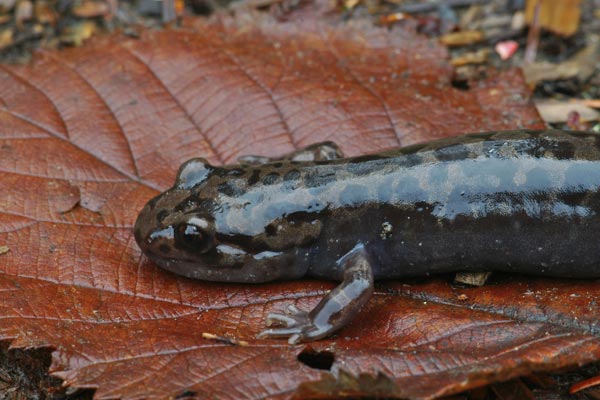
147,231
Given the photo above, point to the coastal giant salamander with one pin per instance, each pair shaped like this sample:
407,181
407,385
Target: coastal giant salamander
524,202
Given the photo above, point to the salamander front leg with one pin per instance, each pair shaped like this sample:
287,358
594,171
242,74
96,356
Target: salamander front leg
335,310
322,151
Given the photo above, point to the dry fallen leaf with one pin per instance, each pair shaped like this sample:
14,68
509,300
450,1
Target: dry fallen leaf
581,66
88,135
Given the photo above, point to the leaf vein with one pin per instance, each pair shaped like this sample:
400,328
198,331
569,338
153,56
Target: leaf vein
268,92
176,101
368,88
108,108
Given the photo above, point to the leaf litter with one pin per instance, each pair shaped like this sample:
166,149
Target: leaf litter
110,314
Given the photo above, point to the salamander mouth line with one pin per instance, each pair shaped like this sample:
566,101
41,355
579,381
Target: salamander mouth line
226,250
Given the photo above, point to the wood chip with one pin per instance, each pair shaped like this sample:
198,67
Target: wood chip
4,249
24,12
391,18
44,13
475,57
472,278
350,4
462,38
90,9
518,21
594,103
496,21
6,38
558,111
470,16
78,33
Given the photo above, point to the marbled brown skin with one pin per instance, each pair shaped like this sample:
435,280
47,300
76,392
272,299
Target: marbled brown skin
520,201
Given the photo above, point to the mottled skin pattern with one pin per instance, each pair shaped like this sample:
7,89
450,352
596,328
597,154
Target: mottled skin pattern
519,201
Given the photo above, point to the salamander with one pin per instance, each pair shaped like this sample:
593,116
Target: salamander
525,202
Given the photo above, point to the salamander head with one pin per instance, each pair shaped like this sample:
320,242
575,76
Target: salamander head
177,230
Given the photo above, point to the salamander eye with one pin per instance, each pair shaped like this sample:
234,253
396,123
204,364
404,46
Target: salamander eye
193,236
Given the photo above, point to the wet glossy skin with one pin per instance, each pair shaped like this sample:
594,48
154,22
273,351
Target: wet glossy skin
521,201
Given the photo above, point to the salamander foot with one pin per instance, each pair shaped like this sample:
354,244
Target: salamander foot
295,324
334,310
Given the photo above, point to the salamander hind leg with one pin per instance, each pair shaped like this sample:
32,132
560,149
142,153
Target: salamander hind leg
322,151
335,310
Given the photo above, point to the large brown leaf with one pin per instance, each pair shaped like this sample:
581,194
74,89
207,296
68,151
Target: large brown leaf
88,135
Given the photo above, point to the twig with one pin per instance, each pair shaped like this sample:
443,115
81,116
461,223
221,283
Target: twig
223,339
533,38
433,5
